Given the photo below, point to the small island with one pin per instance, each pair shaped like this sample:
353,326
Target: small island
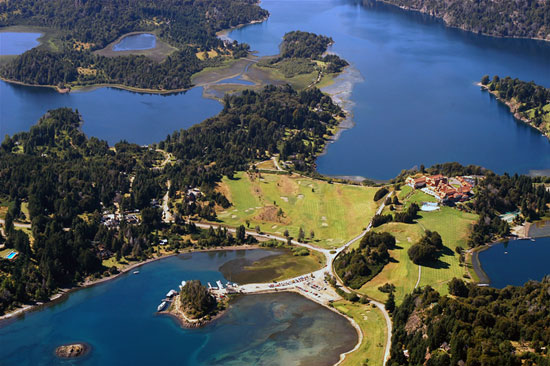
73,350
195,305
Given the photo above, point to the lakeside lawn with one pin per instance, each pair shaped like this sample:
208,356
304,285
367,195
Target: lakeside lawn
335,212
372,324
453,226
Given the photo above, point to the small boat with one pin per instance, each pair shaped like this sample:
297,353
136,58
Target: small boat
161,306
505,252
135,272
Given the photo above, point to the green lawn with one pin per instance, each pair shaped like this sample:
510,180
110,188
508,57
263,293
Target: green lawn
453,226
371,321
335,212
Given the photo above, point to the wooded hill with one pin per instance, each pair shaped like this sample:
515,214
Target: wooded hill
85,26
502,18
474,326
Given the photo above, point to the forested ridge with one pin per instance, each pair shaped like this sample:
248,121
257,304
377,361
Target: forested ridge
503,18
68,181
528,101
474,326
190,26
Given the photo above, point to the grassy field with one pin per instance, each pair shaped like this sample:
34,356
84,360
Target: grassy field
275,203
371,321
453,226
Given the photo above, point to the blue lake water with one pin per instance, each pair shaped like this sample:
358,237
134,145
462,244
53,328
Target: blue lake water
118,320
110,114
416,102
15,43
415,99
136,42
516,262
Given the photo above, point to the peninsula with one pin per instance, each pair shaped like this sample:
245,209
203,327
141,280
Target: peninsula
528,101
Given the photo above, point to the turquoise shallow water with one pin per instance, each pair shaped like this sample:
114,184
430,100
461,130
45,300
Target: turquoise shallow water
516,262
118,320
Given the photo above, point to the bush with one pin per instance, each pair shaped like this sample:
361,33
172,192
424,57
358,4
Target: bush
380,193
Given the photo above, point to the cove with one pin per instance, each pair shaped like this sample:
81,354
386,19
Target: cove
516,262
117,320
415,101
110,114
136,42
15,43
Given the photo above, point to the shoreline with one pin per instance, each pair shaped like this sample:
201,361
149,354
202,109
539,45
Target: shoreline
513,110
89,283
462,28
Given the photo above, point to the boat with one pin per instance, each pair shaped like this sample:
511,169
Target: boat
505,252
161,306
135,272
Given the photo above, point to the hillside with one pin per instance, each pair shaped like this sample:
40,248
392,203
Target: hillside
501,18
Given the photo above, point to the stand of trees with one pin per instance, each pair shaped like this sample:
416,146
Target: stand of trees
428,249
195,299
498,194
477,326
358,266
502,18
189,26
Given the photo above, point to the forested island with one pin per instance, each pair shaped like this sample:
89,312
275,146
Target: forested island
528,101
501,18
189,27
195,306
473,326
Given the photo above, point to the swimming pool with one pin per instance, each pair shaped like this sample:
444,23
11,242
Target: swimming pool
429,206
11,255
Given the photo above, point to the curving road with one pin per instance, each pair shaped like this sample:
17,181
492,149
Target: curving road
292,284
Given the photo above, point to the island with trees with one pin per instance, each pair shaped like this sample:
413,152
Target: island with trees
528,101
195,306
501,18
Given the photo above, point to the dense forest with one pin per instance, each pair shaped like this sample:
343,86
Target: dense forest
474,326
503,18
190,26
252,126
358,266
528,101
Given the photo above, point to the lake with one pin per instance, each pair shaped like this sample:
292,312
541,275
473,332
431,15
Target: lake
415,101
118,320
110,114
136,42
413,94
15,43
516,262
